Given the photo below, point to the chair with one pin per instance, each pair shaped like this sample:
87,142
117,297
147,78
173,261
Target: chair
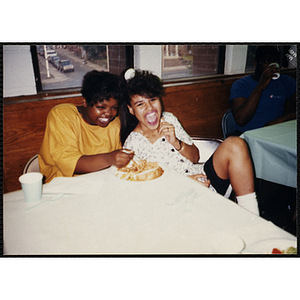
207,146
32,165
228,124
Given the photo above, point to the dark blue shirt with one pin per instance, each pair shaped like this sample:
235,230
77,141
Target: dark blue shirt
272,101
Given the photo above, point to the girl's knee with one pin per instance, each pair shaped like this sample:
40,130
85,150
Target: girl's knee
236,144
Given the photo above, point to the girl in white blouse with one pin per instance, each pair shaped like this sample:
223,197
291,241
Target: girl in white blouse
158,136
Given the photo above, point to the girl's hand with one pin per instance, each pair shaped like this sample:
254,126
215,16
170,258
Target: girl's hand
201,178
121,157
168,131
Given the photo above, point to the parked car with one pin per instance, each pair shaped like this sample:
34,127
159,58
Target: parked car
56,64
51,53
49,49
65,65
53,59
40,50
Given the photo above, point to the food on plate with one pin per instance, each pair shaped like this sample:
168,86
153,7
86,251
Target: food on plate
290,250
276,251
140,170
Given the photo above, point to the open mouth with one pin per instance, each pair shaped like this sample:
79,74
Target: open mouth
151,118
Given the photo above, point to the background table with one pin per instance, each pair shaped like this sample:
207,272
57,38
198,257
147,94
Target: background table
105,215
274,152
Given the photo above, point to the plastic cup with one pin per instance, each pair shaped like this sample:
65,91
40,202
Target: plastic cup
32,186
275,75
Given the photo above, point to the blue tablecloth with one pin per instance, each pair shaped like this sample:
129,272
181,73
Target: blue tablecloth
274,152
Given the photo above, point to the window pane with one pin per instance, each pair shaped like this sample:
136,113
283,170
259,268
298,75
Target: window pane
291,56
180,61
250,58
67,64
288,56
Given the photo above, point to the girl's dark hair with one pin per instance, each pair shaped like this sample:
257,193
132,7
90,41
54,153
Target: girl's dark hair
99,86
143,84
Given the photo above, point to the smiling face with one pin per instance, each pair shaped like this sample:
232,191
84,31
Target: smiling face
100,114
146,110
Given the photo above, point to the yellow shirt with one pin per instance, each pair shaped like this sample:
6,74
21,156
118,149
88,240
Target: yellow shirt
68,137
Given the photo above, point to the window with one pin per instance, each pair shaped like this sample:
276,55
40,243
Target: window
250,58
288,56
63,66
192,60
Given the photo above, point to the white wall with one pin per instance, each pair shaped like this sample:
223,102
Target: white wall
148,57
235,59
18,74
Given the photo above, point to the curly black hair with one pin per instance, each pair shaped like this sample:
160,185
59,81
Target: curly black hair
145,84
99,86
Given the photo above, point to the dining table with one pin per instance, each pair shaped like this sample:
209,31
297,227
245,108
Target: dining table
103,215
274,152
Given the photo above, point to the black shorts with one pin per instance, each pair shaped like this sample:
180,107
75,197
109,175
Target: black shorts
221,185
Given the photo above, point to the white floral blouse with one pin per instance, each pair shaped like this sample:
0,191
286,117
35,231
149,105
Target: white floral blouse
162,151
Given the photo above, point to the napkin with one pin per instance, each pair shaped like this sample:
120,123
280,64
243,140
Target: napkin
83,184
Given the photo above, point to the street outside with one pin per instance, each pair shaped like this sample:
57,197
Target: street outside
60,80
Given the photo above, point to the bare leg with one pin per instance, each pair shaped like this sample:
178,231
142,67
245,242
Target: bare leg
232,160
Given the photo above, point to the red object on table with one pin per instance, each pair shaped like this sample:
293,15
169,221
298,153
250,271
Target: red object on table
276,251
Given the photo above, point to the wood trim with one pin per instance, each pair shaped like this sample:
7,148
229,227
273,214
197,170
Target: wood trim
42,97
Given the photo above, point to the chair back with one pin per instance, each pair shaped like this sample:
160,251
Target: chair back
206,146
228,123
32,165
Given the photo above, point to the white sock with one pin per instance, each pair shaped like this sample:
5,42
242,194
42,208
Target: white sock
249,202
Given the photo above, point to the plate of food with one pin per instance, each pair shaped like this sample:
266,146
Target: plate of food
273,246
140,170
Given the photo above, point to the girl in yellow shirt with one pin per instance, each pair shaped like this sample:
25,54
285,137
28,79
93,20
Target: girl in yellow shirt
86,138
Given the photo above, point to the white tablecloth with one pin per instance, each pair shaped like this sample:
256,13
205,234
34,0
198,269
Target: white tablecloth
274,152
105,215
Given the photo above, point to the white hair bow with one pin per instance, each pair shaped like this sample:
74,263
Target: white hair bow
129,74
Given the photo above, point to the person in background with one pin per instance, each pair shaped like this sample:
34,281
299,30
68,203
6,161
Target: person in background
86,138
158,136
265,97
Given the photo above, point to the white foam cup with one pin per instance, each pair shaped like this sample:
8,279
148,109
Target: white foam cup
32,186
275,75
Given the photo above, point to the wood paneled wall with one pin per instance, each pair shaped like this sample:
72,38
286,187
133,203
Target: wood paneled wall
23,131
198,105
